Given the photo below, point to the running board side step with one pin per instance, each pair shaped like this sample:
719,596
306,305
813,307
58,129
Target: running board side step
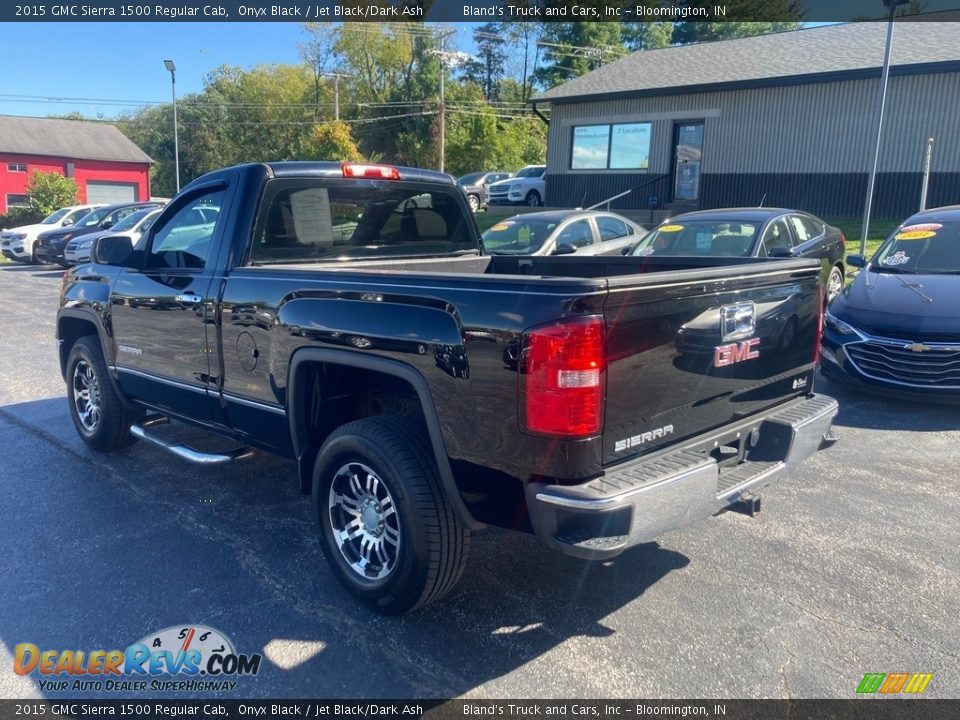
184,452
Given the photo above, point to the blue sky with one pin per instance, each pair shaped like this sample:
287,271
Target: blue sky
124,61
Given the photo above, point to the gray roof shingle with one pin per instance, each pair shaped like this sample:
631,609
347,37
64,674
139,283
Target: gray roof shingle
78,139
810,51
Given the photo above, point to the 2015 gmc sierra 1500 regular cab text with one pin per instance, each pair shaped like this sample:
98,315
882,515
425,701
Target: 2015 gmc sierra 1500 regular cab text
345,316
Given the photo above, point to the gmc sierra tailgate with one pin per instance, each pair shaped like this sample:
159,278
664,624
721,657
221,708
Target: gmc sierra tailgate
695,349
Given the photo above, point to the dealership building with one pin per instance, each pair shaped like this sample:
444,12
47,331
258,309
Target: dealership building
787,119
106,165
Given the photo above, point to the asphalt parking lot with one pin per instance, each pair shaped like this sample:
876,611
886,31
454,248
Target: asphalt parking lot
851,568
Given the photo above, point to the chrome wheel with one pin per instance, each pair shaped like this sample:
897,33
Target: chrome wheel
86,395
364,521
834,283
474,202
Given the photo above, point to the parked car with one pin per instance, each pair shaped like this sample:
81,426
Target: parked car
475,186
133,226
527,187
50,245
896,328
752,232
19,243
561,232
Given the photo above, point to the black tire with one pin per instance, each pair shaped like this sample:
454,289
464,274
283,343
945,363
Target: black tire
34,260
109,428
474,202
532,199
431,545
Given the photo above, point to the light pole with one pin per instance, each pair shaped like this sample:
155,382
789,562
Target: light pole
885,75
336,91
176,141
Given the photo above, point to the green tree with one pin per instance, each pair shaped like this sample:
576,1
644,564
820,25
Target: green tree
488,68
49,191
744,18
332,141
572,49
647,35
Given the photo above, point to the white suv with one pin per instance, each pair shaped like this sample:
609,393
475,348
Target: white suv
19,243
527,187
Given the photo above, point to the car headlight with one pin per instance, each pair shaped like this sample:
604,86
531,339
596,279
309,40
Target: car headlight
19,236
838,326
516,188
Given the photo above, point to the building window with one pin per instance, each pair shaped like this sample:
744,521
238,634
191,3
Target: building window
17,167
17,200
591,147
625,146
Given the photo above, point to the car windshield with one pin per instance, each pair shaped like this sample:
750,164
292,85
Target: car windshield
92,218
531,172
921,248
518,235
712,238
131,220
471,178
53,217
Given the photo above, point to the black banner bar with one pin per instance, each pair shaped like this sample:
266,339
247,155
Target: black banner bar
854,709
462,11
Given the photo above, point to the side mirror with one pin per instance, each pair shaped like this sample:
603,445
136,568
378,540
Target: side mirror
779,252
628,250
66,223
112,250
565,249
857,261
106,224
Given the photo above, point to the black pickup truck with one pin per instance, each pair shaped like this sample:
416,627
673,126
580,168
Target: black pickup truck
345,316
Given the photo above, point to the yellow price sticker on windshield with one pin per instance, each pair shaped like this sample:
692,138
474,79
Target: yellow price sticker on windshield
671,228
501,226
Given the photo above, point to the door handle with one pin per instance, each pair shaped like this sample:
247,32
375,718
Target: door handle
188,298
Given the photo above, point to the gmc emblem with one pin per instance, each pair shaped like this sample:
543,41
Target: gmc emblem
724,355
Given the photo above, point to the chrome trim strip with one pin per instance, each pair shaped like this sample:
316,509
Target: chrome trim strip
157,378
278,409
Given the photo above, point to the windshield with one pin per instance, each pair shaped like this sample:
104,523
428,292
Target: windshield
91,218
518,236
317,221
921,248
709,238
471,179
531,172
131,220
53,217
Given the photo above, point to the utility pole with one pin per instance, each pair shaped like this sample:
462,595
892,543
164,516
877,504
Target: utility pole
443,54
885,76
927,161
169,65
336,91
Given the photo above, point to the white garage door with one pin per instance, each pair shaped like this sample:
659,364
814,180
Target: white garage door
101,192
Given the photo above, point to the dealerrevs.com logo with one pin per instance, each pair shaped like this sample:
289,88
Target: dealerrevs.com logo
180,658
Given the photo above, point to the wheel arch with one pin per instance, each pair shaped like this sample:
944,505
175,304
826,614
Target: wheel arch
71,326
307,448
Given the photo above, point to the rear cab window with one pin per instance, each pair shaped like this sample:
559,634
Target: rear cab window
323,220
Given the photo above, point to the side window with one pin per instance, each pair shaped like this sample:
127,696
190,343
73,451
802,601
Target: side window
611,228
814,228
777,236
577,234
184,241
801,231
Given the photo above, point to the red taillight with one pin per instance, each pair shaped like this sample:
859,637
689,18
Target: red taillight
360,170
562,378
821,301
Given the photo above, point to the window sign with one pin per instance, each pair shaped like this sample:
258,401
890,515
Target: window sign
591,144
630,147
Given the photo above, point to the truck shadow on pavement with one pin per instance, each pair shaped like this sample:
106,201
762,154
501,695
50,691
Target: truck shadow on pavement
104,550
